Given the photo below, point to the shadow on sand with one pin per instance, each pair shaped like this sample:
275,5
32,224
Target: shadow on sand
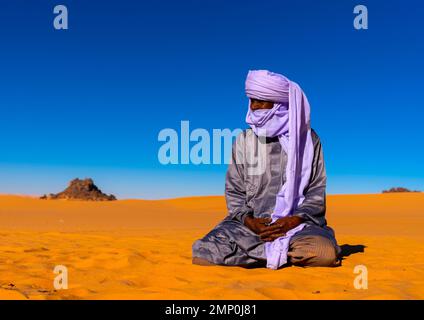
348,249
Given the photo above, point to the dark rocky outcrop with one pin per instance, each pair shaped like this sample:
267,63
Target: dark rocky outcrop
399,189
79,189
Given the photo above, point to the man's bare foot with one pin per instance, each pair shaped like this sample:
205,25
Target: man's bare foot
202,262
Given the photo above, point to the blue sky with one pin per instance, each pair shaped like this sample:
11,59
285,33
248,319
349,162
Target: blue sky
91,100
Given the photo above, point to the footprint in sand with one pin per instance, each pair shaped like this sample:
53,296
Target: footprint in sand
128,283
277,293
136,259
42,249
182,280
135,283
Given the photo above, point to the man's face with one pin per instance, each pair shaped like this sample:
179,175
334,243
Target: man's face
256,104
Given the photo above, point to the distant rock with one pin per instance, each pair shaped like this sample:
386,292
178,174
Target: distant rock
81,190
399,189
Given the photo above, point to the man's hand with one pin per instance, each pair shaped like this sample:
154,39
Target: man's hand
257,225
280,227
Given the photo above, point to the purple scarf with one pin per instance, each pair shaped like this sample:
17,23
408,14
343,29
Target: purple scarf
289,120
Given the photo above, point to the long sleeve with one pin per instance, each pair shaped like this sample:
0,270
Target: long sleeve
314,205
235,188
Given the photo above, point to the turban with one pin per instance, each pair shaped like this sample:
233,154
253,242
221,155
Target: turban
289,120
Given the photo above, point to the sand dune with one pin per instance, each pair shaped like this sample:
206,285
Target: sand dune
136,249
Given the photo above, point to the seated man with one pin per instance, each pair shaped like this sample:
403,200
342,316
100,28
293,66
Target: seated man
276,204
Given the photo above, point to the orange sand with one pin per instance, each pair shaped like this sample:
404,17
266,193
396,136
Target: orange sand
137,249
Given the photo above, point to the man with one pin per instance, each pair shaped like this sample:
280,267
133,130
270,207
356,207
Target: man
277,203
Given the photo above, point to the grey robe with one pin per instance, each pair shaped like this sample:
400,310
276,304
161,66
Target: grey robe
231,242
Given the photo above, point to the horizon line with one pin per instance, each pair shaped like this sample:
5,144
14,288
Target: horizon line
21,195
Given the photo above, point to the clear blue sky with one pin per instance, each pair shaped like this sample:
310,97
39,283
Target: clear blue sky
90,101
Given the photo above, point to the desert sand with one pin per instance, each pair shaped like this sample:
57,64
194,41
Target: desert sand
136,249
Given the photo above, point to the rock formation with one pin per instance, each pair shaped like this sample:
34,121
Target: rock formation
399,189
81,190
